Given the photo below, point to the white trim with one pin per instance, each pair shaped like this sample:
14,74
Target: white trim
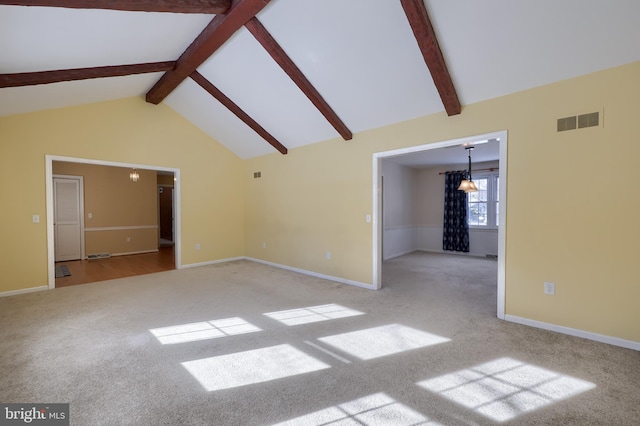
393,228
376,223
278,265
134,252
394,255
377,207
120,228
83,255
616,341
455,253
49,159
502,225
23,291
211,262
311,273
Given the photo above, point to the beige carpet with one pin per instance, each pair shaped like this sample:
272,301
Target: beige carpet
247,344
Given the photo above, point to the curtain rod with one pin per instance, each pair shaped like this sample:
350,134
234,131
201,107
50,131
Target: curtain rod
490,169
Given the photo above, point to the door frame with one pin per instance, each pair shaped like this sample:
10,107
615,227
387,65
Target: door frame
173,211
502,224
81,189
49,159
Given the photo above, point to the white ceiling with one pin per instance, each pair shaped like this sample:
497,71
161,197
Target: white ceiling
483,151
359,54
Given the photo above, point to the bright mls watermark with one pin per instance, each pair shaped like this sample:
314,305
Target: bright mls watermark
34,414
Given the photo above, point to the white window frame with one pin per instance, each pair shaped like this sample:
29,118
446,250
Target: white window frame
492,200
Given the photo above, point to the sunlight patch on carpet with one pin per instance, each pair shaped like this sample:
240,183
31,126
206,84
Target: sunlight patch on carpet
505,388
251,367
313,314
203,330
382,341
377,409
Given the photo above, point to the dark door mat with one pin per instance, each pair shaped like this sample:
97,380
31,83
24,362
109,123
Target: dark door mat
62,271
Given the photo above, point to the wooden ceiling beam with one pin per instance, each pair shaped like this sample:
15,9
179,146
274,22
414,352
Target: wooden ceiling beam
267,41
237,111
175,6
219,30
418,17
57,76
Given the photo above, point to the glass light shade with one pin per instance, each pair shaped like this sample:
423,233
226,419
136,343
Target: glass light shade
134,176
467,186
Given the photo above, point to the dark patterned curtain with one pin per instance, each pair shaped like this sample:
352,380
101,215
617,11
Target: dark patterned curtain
455,235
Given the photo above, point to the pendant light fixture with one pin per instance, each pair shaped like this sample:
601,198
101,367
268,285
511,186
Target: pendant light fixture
467,185
134,176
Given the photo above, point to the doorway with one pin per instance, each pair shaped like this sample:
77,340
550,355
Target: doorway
50,205
377,228
166,221
68,215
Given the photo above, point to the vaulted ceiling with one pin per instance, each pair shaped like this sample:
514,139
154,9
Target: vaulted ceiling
263,76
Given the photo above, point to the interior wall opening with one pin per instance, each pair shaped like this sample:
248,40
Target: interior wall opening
128,220
409,201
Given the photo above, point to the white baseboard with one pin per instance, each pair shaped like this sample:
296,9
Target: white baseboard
134,252
457,253
108,255
23,291
393,256
616,341
313,274
211,262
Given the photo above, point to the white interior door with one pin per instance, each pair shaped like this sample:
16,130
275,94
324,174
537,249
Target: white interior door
67,219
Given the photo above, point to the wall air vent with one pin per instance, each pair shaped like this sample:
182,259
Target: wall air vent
567,123
588,120
581,121
99,256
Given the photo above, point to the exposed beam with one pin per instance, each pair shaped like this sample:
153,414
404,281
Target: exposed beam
175,6
46,77
418,17
263,36
235,109
210,39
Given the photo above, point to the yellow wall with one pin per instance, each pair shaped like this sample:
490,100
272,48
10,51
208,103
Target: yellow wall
112,200
127,130
582,237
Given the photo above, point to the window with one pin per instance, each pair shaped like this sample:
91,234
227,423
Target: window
483,205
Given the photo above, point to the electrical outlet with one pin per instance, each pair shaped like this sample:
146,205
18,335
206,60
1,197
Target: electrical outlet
328,255
128,239
197,246
264,245
549,288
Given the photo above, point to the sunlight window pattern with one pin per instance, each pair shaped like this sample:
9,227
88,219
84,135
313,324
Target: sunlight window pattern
251,367
505,388
313,314
381,341
377,409
203,330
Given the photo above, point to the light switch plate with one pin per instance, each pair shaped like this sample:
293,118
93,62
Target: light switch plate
549,288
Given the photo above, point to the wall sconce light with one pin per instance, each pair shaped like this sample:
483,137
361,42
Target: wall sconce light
467,185
134,176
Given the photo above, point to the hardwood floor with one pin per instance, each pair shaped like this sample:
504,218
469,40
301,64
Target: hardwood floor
89,271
